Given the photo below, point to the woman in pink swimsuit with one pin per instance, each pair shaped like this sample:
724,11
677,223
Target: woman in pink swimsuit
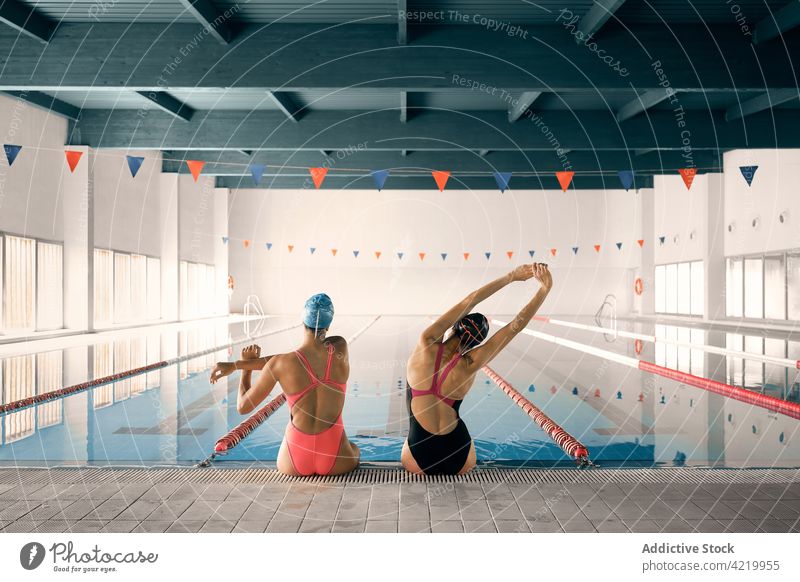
314,379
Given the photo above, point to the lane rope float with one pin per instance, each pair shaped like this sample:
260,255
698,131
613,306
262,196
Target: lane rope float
568,443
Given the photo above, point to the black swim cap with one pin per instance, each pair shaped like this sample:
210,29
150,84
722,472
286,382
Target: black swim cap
472,329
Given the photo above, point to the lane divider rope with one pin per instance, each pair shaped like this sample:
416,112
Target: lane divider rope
75,388
228,441
568,443
791,409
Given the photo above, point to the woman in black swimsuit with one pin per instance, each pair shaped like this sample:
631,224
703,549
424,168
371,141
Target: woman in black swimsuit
438,440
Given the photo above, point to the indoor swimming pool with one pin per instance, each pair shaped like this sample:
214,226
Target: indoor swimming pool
626,417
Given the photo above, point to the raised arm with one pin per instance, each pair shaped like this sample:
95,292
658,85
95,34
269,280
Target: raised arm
483,354
437,329
251,396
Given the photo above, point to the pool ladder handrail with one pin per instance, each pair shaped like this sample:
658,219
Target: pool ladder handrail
609,300
252,306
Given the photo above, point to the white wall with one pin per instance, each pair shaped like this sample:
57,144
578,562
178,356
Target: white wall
775,189
197,228
680,216
427,221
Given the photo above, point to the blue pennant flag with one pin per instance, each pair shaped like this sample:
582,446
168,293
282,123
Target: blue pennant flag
400,256
379,176
661,239
444,256
355,254
134,163
748,172
531,253
619,246
312,249
488,255
224,240
502,179
269,246
626,177
11,153
257,171
574,250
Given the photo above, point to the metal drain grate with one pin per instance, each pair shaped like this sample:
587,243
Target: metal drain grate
373,476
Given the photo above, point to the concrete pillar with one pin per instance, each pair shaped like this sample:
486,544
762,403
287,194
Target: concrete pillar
77,198
647,301
221,250
169,247
714,257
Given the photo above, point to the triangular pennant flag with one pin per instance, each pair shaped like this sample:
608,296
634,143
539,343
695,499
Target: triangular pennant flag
466,256
422,256
312,250
195,167
134,163
224,240
444,256
334,251
510,254
531,253
619,246
640,242
269,246
257,171
565,179
355,254
747,171
626,178
661,239
488,255
688,175
574,250
73,158
379,176
11,153
400,256
553,252
441,179
318,175
502,179
597,248
377,254
246,243
290,247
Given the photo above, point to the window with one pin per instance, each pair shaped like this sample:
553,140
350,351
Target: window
103,286
153,288
19,278
793,285
122,288
793,384
50,286
18,382
138,294
127,288
734,285
680,288
197,290
754,288
774,287
764,287
49,377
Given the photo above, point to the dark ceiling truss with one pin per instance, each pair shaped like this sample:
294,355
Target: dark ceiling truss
47,102
217,24
25,19
778,23
168,104
600,12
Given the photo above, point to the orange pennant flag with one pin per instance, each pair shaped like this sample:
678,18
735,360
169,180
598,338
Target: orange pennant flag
441,179
422,256
510,254
318,175
466,256
334,251
246,243
641,242
597,248
565,179
377,254
73,158
195,167
291,248
553,252
688,175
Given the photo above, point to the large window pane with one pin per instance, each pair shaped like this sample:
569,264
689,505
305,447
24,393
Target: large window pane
671,288
734,285
122,288
103,286
774,288
660,284
684,288
754,288
153,288
19,278
793,285
50,286
793,385
698,288
138,286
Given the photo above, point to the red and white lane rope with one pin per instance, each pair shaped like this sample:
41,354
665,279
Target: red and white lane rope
568,443
787,362
240,431
791,409
75,388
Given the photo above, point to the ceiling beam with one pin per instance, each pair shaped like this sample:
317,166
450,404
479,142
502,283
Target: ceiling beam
402,22
218,25
778,23
403,106
168,104
286,104
434,130
643,102
47,102
596,17
24,18
768,100
366,56
521,106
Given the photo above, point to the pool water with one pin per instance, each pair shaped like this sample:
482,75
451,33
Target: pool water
174,416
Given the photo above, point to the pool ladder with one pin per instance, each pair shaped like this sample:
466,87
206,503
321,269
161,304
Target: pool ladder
252,307
609,303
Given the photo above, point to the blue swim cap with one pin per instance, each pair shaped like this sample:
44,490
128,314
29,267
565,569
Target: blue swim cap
318,311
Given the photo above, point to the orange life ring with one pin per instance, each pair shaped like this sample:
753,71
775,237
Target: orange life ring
230,282
638,346
638,286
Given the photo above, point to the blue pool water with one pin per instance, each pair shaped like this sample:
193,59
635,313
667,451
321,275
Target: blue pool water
174,416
